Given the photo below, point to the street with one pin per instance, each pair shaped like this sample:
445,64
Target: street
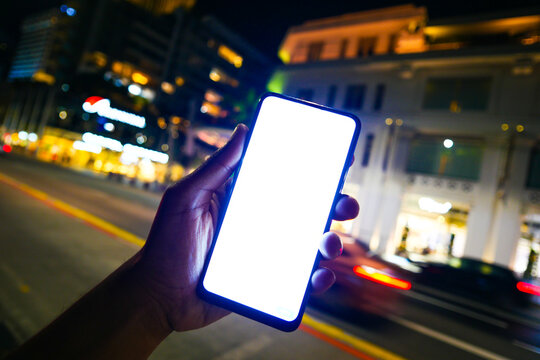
51,253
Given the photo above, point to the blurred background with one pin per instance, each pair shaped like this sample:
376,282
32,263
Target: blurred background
105,103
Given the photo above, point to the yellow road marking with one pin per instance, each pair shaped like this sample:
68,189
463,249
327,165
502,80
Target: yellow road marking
73,211
327,329
357,343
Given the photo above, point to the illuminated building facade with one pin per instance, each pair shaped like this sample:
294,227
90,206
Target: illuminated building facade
149,74
448,160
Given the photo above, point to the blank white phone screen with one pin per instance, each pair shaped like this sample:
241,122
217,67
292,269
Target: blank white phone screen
279,207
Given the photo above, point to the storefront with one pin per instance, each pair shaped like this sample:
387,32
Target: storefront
434,226
92,152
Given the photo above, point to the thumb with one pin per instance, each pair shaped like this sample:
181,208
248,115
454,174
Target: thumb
217,169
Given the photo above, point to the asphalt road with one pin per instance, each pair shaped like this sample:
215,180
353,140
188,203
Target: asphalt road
49,258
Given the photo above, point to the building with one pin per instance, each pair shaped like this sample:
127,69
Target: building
144,73
447,162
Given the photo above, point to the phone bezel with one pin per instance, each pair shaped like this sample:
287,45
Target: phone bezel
245,310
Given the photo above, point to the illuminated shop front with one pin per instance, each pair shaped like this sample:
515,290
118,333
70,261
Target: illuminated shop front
97,153
431,226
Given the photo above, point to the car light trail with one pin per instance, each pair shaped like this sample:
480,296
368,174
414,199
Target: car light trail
381,278
528,288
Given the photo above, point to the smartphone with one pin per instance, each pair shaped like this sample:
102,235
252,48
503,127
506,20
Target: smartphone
265,247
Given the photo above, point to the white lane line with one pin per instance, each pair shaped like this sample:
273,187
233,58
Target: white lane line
534,349
473,349
455,308
247,349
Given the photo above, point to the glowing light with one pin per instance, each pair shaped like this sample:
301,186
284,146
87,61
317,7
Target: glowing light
141,139
102,107
167,88
148,94
102,141
179,81
65,87
432,206
71,11
108,126
372,274
134,89
388,121
399,122
448,143
89,147
23,135
139,78
210,109
41,76
277,83
6,148
176,120
504,127
165,147
212,96
528,288
231,56
143,153
214,76
62,114
520,128
32,137
162,123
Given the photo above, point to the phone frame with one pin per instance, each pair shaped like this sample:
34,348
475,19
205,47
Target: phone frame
245,310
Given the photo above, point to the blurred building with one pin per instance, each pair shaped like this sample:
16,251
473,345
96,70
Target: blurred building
145,73
449,157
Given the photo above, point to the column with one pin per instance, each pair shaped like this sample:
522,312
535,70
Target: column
394,187
507,217
480,216
370,193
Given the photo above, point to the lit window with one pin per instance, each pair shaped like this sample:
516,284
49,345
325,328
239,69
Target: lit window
179,81
457,94
212,96
229,55
167,88
139,78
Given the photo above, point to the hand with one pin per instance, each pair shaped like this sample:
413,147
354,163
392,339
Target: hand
173,257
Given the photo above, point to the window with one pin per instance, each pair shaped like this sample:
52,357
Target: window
315,51
368,145
331,98
306,94
379,96
427,155
457,94
354,97
533,177
343,48
366,46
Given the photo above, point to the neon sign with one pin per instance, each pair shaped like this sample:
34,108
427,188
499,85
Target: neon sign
102,106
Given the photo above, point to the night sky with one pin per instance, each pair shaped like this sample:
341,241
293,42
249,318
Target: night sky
264,23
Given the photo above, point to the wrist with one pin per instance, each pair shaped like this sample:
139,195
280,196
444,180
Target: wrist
148,315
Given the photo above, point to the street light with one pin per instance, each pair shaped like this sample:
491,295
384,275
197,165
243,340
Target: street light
448,143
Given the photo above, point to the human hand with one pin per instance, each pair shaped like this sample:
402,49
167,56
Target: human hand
172,259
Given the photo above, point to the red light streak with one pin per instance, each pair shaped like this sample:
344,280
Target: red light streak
381,278
528,288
